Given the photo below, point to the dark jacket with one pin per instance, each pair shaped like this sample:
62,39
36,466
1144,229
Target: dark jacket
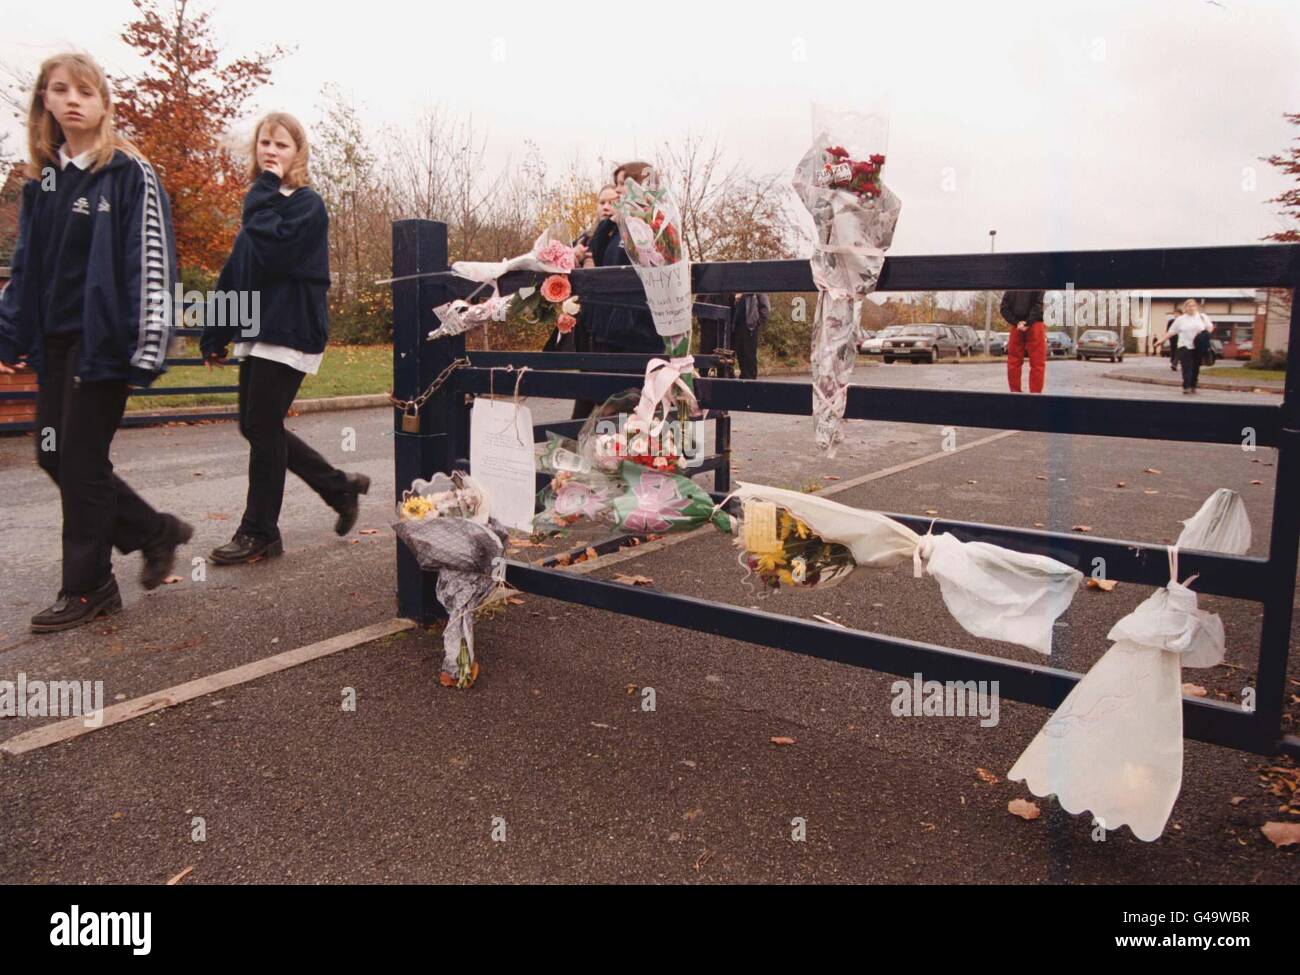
1022,306
129,308
624,328
752,311
281,252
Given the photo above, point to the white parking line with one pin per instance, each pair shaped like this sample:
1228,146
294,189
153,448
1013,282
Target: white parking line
60,731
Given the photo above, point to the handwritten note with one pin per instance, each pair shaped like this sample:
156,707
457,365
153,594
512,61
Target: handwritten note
501,458
668,293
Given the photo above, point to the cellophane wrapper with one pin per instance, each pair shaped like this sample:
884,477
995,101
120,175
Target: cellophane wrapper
852,234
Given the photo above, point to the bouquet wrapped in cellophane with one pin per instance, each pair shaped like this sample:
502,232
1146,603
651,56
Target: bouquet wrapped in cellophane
993,592
549,303
854,215
626,467
650,223
446,524
781,549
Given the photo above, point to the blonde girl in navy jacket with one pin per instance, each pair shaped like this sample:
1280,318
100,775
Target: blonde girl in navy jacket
282,253
88,307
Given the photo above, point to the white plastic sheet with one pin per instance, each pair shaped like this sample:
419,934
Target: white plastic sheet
1115,745
993,592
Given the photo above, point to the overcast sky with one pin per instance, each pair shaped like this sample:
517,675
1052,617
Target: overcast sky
1065,125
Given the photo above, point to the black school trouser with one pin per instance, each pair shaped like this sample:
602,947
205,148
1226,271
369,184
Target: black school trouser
266,391
1190,360
745,341
75,424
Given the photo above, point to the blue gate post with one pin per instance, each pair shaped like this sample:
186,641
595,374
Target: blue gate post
419,248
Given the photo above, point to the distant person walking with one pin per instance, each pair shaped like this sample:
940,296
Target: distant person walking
748,315
1023,311
1191,330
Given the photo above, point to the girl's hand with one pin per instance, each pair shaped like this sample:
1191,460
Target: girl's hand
273,166
9,370
214,360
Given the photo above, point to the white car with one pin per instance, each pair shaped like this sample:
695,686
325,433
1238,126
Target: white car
872,346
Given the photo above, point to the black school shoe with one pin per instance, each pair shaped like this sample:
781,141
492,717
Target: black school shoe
73,611
245,548
160,555
358,484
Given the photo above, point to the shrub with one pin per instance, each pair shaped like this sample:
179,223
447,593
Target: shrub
1268,359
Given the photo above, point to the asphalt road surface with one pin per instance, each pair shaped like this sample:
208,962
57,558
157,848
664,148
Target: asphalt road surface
549,769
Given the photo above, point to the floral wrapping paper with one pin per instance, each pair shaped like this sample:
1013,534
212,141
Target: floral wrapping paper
852,233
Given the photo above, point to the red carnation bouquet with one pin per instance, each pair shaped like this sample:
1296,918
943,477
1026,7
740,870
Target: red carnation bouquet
860,176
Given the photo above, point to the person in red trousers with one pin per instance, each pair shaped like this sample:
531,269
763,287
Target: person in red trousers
1023,311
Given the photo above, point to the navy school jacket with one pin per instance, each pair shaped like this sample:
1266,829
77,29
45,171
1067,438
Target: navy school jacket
130,278
281,252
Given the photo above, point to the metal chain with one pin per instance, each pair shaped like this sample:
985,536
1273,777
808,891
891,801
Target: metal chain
414,405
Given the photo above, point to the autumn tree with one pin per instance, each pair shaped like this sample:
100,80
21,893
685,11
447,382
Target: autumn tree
180,112
1289,163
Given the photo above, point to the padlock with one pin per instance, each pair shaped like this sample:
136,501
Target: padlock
411,419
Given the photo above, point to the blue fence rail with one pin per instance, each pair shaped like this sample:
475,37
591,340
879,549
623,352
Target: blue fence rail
441,444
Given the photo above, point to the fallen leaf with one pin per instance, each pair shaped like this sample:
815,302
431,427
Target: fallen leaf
171,580
1041,477
1256,482
628,580
931,511
368,531
1121,483
563,559
198,473
1194,690
928,827
1081,528
591,553
1281,834
1152,470
1105,585
692,814
514,601
830,477
972,482
1150,491
1024,809
179,877
781,740
1039,524
987,776
1237,800
631,689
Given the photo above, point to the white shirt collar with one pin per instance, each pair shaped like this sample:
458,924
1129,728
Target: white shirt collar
81,162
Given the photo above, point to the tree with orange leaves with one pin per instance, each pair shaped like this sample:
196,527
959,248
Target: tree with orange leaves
180,112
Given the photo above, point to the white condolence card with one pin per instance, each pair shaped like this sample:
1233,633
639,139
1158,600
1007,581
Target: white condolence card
502,459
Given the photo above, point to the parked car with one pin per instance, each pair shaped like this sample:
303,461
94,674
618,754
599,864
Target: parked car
921,343
998,343
864,336
1059,344
1213,353
972,341
1099,343
872,345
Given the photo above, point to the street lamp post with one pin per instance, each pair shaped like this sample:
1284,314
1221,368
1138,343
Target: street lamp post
988,301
